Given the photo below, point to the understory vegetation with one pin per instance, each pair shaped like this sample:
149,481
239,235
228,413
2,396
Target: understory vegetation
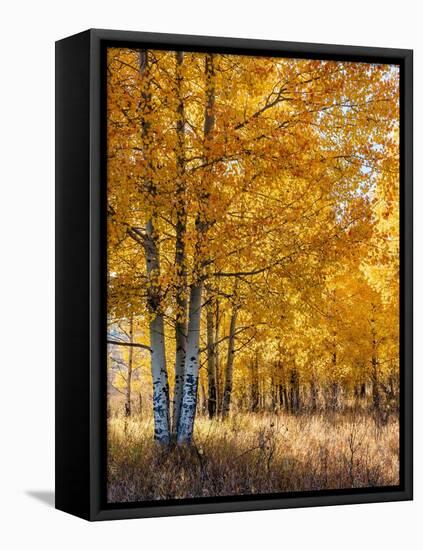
253,454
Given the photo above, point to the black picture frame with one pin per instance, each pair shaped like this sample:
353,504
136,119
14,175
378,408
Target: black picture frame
81,272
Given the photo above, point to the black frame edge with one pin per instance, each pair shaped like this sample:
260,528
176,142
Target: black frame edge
72,471
406,260
315,50
250,506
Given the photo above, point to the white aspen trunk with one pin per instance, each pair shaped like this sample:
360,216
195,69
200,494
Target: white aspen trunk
229,365
192,361
152,256
160,382
189,401
157,341
180,260
180,357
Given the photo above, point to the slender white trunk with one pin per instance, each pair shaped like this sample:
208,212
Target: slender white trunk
157,339
180,357
180,259
160,382
154,305
189,402
192,361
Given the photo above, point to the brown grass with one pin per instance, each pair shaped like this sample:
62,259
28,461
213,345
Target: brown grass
250,454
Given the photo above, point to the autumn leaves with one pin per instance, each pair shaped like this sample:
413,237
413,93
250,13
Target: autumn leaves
243,192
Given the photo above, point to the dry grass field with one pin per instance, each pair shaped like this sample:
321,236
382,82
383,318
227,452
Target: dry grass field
252,454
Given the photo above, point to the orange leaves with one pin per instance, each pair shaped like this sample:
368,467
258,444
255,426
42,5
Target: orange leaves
287,176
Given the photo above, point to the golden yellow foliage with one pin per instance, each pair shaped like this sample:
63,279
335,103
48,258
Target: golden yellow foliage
277,181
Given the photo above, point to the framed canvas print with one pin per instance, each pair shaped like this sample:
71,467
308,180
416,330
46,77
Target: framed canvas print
234,274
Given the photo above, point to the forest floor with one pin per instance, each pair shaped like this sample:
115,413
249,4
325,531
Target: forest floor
252,454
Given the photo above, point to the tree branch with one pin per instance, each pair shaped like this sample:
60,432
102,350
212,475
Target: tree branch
129,344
